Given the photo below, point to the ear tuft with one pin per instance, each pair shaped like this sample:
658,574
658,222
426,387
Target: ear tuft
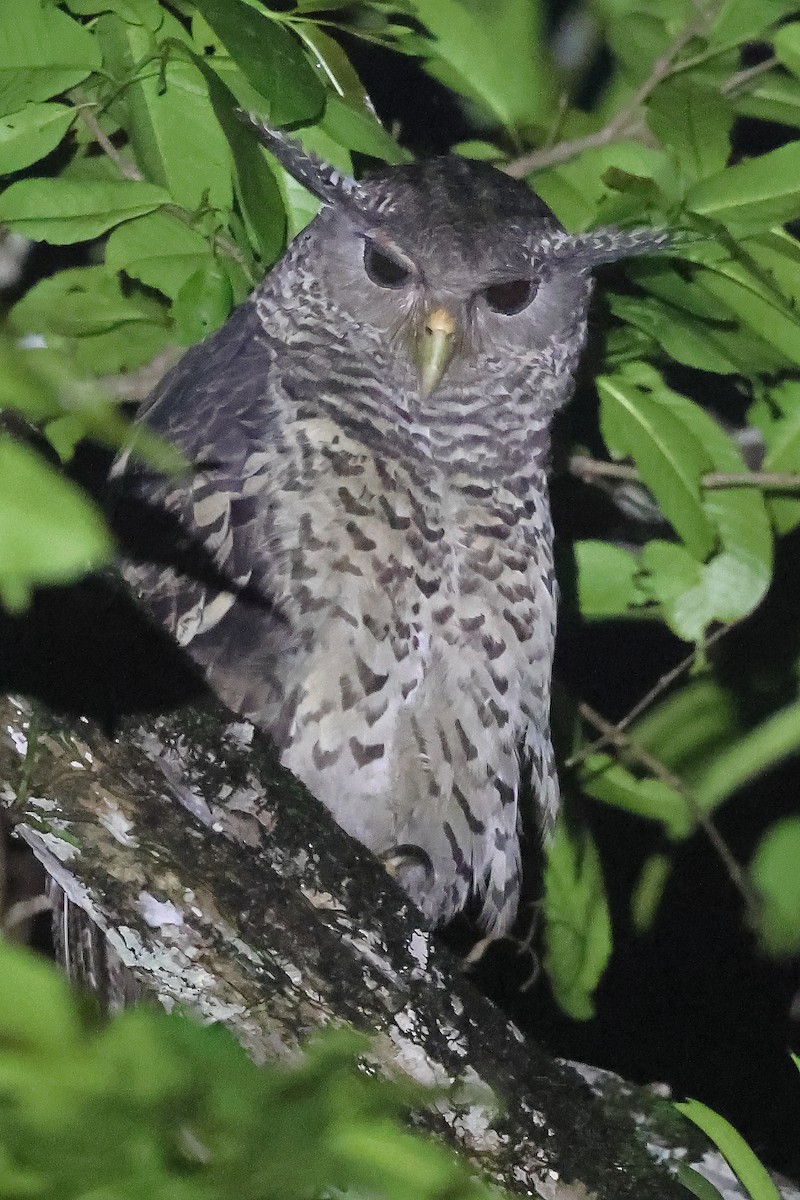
599,246
320,178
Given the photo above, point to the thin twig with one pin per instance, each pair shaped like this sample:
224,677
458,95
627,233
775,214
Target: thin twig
658,688
84,110
739,78
587,469
625,124
627,121
623,743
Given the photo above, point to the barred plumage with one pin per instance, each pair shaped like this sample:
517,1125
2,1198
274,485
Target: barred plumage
366,563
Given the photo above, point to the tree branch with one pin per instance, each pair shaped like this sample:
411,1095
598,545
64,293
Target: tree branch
221,885
627,747
629,120
582,466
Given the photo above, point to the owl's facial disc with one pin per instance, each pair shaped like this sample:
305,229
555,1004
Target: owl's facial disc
433,348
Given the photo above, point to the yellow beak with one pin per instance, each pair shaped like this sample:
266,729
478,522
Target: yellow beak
435,346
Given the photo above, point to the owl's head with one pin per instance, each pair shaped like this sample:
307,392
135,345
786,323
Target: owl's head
458,274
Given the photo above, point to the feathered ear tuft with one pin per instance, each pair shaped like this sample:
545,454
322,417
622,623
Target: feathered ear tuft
590,250
322,180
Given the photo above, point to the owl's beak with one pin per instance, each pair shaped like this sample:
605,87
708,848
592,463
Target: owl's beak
434,347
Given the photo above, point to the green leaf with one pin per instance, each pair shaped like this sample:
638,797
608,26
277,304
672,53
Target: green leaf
786,44
62,211
606,779
270,58
137,12
123,348
46,1021
159,250
707,346
580,192
753,196
358,130
649,889
50,532
743,20
671,437
697,1184
42,53
753,1176
608,583
776,880
777,416
690,727
22,387
30,134
78,301
777,98
637,39
203,303
717,337
753,753
759,307
509,75
676,580
577,921
670,460
168,116
694,123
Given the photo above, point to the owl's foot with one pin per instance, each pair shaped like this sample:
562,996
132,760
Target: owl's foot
411,867
525,946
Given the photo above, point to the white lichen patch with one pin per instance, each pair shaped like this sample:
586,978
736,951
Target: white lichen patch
414,1062
173,975
59,848
157,913
373,952
117,824
419,947
240,732
455,1040
290,970
322,901
246,951
43,803
19,739
474,1127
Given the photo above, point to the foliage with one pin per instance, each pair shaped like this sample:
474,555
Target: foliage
118,135
745,1164
186,1115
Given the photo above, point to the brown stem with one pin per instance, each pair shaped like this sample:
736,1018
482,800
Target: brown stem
740,78
658,688
586,468
659,770
628,120
84,110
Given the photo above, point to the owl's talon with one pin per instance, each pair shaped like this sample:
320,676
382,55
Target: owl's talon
405,856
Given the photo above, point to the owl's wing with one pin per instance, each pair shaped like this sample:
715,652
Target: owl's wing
193,543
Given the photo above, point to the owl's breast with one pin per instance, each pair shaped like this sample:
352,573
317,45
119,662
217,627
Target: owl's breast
405,598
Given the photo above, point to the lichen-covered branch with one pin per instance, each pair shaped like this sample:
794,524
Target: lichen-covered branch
220,884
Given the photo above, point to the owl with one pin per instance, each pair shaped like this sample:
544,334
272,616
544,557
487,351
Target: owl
360,559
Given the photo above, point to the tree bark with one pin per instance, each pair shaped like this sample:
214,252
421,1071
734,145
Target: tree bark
217,882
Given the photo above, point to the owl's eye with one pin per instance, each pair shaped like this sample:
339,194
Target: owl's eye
509,298
383,269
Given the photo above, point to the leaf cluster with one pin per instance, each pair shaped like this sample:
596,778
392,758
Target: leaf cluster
185,1115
